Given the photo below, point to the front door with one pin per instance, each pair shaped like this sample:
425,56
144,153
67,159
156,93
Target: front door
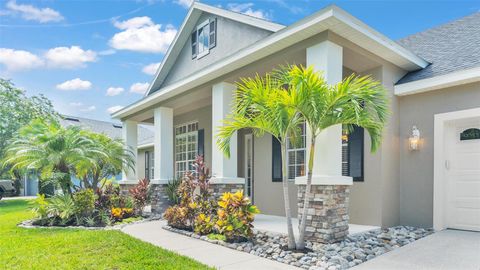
249,165
462,169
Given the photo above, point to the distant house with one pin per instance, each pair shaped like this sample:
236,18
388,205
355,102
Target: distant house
113,130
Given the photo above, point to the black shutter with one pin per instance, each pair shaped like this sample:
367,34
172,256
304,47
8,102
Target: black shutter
201,143
147,165
213,33
194,44
276,160
352,154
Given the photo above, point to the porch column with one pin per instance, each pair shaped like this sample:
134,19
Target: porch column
327,215
163,145
129,135
224,170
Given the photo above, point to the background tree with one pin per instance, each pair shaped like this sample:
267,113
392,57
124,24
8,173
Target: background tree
356,101
17,110
262,105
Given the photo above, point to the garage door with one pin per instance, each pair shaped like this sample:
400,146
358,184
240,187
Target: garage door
463,175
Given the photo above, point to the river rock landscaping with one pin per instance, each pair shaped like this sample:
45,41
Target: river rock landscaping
354,250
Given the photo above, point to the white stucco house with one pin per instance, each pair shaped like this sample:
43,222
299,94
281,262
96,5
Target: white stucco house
427,171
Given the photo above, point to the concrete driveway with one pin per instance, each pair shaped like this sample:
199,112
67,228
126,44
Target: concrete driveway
444,250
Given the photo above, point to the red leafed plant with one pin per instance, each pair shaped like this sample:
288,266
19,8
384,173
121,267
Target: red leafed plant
139,194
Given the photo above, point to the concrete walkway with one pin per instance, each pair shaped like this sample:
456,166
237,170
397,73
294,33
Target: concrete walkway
202,251
444,250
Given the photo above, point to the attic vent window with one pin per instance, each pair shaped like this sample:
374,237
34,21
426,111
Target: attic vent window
71,119
204,38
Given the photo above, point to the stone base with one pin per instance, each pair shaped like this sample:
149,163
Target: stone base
124,188
158,198
218,189
327,215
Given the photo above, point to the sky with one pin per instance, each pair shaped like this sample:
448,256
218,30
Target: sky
93,57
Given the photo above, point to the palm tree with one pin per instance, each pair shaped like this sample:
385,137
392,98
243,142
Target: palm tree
52,150
262,105
115,159
356,101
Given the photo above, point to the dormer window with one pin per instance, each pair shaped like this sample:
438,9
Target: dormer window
204,38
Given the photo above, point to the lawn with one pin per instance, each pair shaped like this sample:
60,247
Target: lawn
76,249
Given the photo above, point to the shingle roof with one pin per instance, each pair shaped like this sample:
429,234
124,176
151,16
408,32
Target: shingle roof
113,130
450,47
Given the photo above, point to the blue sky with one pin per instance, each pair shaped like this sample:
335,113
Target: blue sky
74,51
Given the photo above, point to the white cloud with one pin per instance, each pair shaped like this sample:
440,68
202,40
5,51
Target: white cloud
151,69
107,52
73,57
114,91
114,109
75,84
16,60
76,104
184,3
31,13
246,8
88,109
139,88
141,34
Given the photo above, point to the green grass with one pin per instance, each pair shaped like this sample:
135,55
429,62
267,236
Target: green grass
76,249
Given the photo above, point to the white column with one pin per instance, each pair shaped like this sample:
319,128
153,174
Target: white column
224,170
327,57
129,134
163,144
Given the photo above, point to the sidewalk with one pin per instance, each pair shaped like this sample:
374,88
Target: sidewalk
202,251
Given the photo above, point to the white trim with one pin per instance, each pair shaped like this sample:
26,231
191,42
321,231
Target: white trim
128,182
438,82
439,181
331,18
207,50
227,180
145,145
325,180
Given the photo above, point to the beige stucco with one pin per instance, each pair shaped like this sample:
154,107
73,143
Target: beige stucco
416,167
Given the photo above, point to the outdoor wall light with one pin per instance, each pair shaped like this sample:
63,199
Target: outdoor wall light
414,139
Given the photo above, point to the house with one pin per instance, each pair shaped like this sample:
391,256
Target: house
427,170
113,130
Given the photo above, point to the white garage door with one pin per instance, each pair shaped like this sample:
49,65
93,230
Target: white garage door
463,175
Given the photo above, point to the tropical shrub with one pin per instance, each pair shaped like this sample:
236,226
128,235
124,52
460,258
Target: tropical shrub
178,217
61,207
235,216
139,194
171,191
107,196
119,213
84,203
40,206
204,224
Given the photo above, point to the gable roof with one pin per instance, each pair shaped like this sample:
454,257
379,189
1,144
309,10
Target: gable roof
112,130
450,47
187,27
330,18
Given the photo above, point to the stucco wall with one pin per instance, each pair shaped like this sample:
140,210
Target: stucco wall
231,37
416,167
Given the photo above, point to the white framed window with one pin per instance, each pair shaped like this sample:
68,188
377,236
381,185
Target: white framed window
186,147
204,38
296,155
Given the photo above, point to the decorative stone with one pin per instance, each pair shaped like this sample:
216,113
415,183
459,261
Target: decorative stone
158,198
218,189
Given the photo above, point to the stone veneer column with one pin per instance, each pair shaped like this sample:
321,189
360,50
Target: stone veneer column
327,215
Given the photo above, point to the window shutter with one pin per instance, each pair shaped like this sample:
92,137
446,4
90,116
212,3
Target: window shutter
213,33
147,167
276,160
201,143
352,154
194,44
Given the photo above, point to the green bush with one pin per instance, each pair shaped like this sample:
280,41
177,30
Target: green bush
172,191
84,203
204,224
62,207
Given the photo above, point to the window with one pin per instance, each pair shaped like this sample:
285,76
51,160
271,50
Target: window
204,38
352,153
149,164
186,147
296,155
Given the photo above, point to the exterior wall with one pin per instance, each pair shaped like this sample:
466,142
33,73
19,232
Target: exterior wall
416,168
231,37
268,195
204,118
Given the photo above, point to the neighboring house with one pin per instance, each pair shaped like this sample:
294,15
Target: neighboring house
433,79
113,130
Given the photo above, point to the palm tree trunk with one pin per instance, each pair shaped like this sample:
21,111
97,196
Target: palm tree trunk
308,195
286,196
